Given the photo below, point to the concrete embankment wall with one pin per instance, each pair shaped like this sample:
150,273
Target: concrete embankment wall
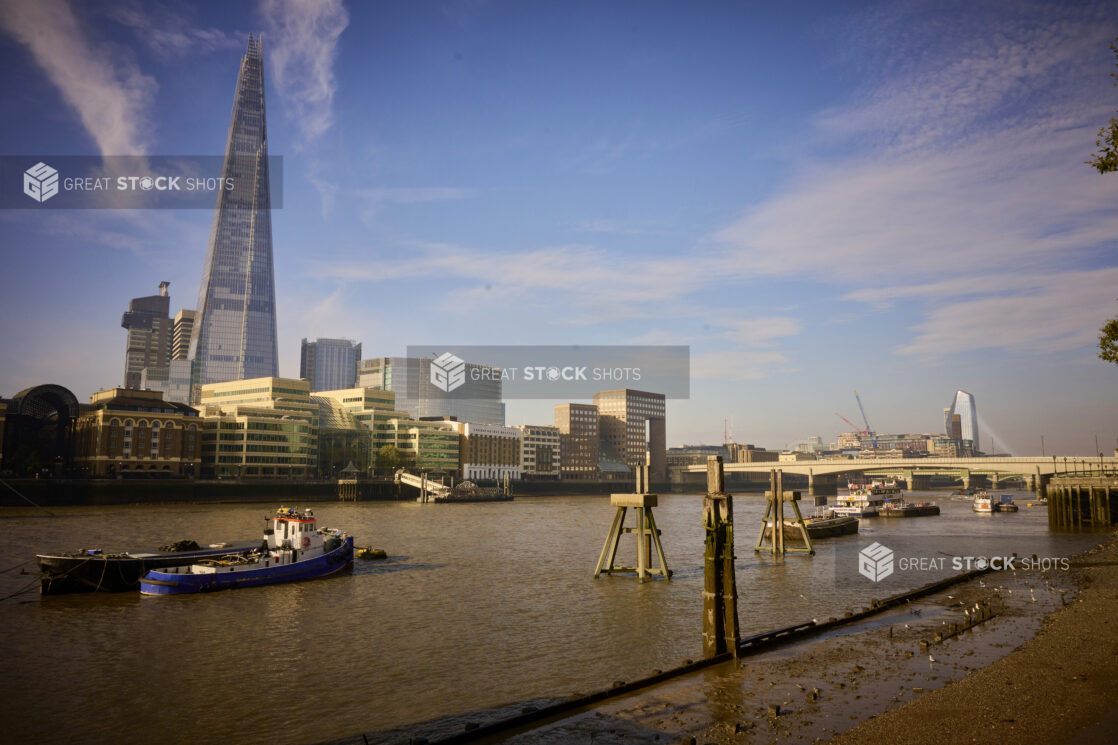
77,492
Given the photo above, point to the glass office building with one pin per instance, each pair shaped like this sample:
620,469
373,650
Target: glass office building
410,379
235,330
149,335
964,407
329,364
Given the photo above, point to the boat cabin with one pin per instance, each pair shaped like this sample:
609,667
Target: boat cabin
293,530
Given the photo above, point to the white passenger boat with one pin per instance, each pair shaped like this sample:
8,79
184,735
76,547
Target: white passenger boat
864,500
983,502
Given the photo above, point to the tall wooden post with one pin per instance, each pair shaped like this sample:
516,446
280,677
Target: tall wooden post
778,517
721,633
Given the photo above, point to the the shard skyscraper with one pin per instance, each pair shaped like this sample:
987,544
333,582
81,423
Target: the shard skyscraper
235,330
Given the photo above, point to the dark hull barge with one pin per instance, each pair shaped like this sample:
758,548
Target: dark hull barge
94,570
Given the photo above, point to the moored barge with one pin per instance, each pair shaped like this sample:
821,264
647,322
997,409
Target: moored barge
96,570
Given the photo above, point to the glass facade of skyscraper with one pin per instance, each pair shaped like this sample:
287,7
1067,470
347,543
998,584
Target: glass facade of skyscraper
963,405
149,335
235,331
329,364
410,379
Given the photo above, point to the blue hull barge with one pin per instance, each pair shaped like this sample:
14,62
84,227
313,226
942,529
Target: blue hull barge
294,549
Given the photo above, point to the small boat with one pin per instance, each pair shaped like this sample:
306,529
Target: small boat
962,493
368,552
294,549
983,502
97,570
1005,504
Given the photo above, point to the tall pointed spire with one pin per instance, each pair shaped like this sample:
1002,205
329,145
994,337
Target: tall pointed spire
235,331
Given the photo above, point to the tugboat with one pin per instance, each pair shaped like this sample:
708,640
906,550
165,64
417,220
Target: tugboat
97,570
294,548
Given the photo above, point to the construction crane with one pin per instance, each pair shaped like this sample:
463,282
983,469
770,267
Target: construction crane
869,430
852,424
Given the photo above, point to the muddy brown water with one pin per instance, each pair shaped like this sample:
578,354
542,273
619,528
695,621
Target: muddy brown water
477,606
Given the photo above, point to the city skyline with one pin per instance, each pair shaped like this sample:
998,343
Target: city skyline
810,203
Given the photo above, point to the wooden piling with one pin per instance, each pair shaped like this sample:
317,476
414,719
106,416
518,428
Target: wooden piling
721,632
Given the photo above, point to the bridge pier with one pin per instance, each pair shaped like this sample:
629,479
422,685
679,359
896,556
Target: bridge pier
919,482
995,480
822,485
966,479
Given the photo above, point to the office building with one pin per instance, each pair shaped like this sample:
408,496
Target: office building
540,456
477,399
578,440
259,428
964,406
329,364
148,323
235,328
135,433
488,451
744,453
182,329
174,381
429,446
631,422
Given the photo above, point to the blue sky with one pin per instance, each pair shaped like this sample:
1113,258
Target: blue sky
882,196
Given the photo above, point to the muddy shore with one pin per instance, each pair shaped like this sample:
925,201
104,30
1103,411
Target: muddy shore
1041,671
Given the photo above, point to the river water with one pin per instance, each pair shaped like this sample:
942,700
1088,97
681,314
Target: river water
478,605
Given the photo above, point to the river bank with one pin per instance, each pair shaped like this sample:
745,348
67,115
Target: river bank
1040,671
1058,687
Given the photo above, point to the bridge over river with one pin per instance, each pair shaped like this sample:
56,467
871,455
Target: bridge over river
823,474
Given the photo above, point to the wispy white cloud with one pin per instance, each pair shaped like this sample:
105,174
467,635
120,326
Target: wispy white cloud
1017,200
1059,313
591,282
302,43
108,91
169,33
961,186
414,194
618,227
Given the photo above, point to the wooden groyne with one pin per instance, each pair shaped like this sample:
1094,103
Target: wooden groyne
1082,502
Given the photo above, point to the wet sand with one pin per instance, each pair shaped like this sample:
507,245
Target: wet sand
1041,671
